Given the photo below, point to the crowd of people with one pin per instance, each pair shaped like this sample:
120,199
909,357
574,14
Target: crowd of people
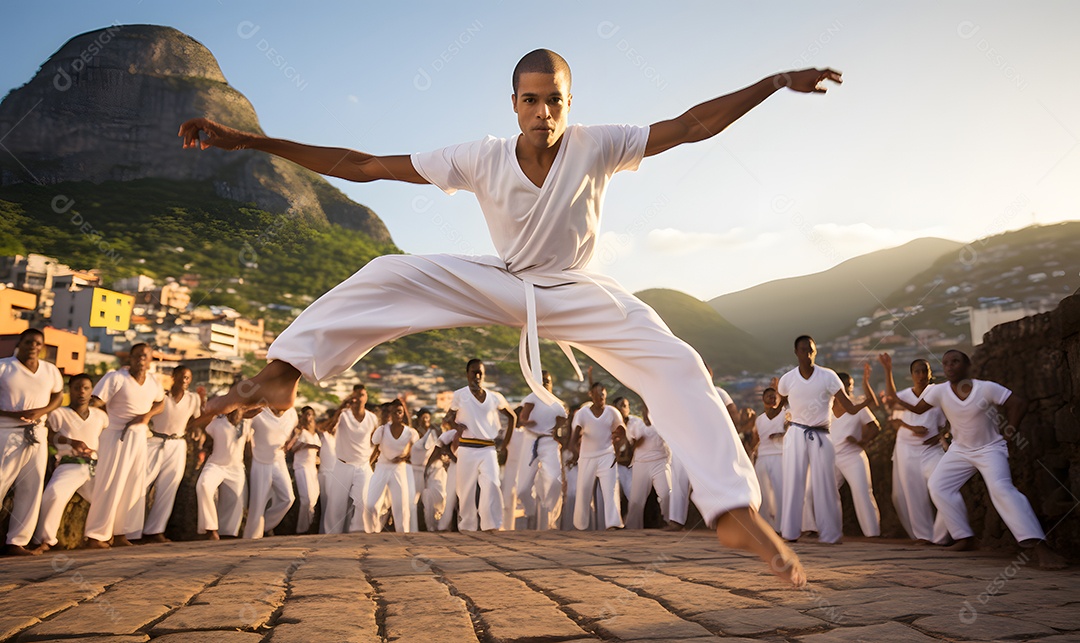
487,464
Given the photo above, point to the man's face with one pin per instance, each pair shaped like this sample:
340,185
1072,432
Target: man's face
183,378
920,374
770,399
956,369
598,395
542,105
624,407
806,350
139,360
475,375
31,346
546,380
80,392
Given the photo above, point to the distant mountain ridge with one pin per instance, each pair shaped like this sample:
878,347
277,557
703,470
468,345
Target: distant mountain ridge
107,105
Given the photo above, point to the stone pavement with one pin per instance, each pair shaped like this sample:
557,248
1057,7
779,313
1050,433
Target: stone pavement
527,586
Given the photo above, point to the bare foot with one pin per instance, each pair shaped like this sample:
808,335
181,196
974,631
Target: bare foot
274,386
42,548
154,538
673,526
94,543
922,542
1048,558
744,529
19,550
121,541
211,534
963,544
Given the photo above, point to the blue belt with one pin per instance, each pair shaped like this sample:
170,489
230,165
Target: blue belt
809,432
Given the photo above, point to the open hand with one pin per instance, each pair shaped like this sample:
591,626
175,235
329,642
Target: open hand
214,135
808,81
886,361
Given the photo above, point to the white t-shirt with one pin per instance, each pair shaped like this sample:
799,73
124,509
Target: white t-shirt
481,418
849,425
765,428
66,422
327,452
424,447
354,438
810,400
174,416
545,229
724,396
271,432
652,446
305,457
229,442
597,432
974,421
545,415
23,390
125,398
933,420
391,447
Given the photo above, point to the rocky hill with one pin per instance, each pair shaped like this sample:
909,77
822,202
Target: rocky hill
106,107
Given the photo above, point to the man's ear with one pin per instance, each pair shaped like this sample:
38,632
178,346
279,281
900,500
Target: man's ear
513,102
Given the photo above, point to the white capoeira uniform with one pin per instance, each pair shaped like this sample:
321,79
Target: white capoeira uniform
307,479
546,237
652,469
220,488
542,468
448,491
166,457
418,459
477,461
25,450
977,446
118,506
270,492
853,466
74,474
770,466
393,477
327,459
807,446
914,464
596,462
516,458
681,487
351,474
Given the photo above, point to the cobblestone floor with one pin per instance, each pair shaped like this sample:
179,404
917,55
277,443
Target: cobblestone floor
527,586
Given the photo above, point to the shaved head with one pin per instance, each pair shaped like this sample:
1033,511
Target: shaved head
541,61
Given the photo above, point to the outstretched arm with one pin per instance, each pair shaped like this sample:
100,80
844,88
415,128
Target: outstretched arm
710,118
343,163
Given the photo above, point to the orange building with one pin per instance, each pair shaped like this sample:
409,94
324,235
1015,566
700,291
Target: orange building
12,304
65,349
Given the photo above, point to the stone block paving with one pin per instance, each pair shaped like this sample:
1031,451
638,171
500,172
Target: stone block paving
527,586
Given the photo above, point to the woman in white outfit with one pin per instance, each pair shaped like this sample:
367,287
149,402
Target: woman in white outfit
221,485
769,429
305,447
850,433
392,471
270,492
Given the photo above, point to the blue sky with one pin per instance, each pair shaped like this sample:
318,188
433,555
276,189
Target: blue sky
956,119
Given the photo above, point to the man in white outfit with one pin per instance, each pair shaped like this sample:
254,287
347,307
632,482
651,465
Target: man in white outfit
130,396
596,427
219,491
541,420
809,391
474,417
30,388
681,488
270,489
419,456
849,434
166,452
542,194
352,472
769,429
971,407
651,469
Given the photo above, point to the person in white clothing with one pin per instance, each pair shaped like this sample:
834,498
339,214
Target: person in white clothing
541,193
918,452
809,392
474,417
849,434
392,471
517,457
130,396
219,491
30,388
327,459
419,457
166,452
305,445
352,472
971,407
769,430
541,422
651,468
596,427
270,492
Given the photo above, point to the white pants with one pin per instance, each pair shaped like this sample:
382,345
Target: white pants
651,474
417,491
394,295
22,467
434,495
395,478
770,475
66,480
165,462
118,506
855,469
899,500
803,450
449,494
307,492
326,478
516,457
270,495
478,466
220,495
992,461
914,465
600,469
543,473
679,503
346,482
